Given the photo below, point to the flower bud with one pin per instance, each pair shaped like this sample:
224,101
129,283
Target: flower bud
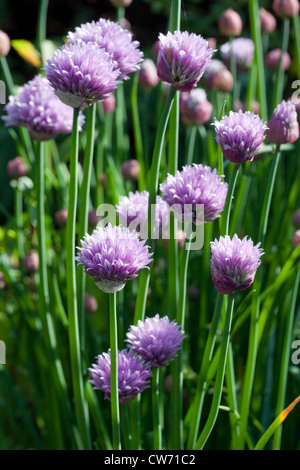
212,43
16,168
285,8
267,21
296,239
194,107
93,218
31,262
61,217
131,170
148,77
296,218
273,59
109,104
4,44
103,179
2,281
121,3
223,81
230,23
90,304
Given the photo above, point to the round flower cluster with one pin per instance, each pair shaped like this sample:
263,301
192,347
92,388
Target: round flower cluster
36,107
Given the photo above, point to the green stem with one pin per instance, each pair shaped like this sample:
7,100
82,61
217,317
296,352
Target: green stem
229,197
74,338
253,337
19,223
280,72
282,382
114,394
84,209
175,15
137,132
258,56
213,414
156,415
42,25
201,383
177,373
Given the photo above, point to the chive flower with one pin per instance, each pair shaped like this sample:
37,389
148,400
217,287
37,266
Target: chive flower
156,340
240,135
115,40
133,375
191,189
182,59
133,210
82,74
234,263
242,50
113,256
37,108
283,127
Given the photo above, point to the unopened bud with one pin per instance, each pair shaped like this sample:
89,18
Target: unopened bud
31,262
273,59
296,239
93,218
90,304
4,44
267,21
296,218
61,217
148,77
131,169
16,168
285,8
230,23
109,104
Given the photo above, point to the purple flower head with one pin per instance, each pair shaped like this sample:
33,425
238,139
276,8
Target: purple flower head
132,211
115,40
234,263
243,52
82,74
283,126
38,109
182,59
193,186
240,135
113,256
133,375
156,340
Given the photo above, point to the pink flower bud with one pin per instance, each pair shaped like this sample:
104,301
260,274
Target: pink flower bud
16,168
194,107
31,262
267,21
148,77
230,23
109,104
223,81
296,239
93,218
61,217
90,304
296,218
273,58
285,8
131,170
4,44
121,3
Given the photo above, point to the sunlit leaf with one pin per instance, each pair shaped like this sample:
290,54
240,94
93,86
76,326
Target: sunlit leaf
27,51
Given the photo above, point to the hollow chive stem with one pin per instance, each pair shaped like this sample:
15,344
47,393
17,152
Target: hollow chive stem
84,209
219,378
253,335
114,391
74,337
201,383
280,72
156,406
229,197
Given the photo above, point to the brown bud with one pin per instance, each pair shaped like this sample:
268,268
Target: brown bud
273,58
267,21
285,8
31,262
230,23
61,217
90,304
93,218
296,239
296,218
16,168
131,170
